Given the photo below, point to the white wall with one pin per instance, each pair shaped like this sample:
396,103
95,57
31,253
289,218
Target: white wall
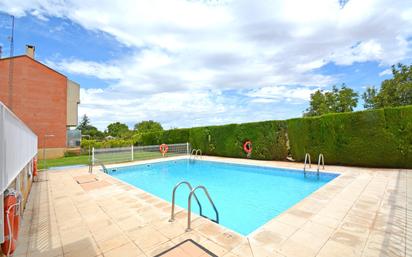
73,100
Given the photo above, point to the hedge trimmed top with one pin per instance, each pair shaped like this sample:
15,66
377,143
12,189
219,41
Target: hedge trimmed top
373,138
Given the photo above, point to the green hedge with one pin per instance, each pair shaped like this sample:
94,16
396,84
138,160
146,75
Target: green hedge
375,138
268,139
172,136
85,143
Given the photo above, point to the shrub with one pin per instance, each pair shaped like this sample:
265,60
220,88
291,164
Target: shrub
268,140
376,138
85,143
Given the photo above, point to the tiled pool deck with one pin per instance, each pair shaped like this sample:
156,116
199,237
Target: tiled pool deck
363,212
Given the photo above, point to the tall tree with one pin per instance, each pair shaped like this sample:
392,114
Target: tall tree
147,126
336,100
117,129
87,129
347,99
396,91
369,98
84,122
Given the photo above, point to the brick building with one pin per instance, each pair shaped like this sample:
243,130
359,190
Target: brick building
44,99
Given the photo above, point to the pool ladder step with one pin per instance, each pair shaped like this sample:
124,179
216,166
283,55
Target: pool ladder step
196,153
189,203
321,159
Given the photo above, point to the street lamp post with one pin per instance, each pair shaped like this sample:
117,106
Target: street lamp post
44,149
88,136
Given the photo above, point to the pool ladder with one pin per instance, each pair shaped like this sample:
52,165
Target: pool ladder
321,158
196,153
91,164
189,204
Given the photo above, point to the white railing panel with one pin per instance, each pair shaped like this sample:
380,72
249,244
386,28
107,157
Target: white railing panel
18,146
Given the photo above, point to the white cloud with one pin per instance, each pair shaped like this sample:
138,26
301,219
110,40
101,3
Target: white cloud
385,72
98,70
271,50
280,93
172,108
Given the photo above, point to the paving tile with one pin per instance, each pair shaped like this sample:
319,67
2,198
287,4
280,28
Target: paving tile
148,237
95,185
327,221
278,227
363,211
107,233
127,250
191,249
302,243
335,249
171,229
291,219
244,250
159,248
210,229
229,239
85,179
230,254
53,252
177,252
194,235
112,243
214,247
268,239
88,250
385,244
79,245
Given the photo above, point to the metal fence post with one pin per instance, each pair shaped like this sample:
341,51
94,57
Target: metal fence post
132,153
187,148
93,156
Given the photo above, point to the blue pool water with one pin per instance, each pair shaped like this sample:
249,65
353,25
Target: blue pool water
246,196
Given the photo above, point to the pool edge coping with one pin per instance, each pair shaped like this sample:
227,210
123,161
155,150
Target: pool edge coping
228,161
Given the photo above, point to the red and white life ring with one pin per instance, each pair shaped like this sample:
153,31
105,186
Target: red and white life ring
34,167
163,149
247,147
11,221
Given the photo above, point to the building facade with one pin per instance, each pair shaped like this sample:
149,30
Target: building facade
44,99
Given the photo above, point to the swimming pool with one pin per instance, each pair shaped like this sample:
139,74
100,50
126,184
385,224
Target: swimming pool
246,196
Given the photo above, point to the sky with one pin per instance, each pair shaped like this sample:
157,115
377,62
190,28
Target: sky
190,63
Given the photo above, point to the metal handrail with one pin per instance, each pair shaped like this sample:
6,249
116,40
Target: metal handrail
192,154
190,210
100,163
195,153
172,216
321,157
307,157
90,167
200,152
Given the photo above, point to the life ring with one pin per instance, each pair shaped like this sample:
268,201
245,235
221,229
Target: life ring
11,221
163,149
34,167
247,146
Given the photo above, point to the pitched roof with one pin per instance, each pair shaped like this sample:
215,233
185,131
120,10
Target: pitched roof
34,60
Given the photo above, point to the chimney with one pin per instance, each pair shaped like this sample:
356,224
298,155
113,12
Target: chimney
30,49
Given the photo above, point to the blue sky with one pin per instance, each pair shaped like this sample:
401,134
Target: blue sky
191,63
